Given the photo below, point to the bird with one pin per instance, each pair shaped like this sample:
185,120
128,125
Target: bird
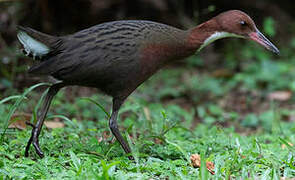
116,57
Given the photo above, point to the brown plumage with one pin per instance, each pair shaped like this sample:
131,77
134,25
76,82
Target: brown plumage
116,57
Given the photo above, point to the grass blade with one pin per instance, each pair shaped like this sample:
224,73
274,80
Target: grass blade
9,98
97,104
203,172
16,105
62,117
185,154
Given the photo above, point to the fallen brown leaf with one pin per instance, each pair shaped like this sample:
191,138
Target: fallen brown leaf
196,162
286,178
99,139
280,95
54,124
284,145
210,167
18,120
147,113
222,73
158,141
105,136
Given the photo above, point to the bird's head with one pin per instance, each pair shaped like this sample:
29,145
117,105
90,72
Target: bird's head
239,24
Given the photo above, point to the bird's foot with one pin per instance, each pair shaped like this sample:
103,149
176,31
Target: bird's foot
33,139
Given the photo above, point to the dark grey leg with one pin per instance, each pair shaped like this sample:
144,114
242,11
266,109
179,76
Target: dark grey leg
114,126
41,116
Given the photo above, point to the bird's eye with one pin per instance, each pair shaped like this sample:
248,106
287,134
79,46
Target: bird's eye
243,23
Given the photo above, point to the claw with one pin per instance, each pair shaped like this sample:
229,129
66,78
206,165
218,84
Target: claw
30,124
37,148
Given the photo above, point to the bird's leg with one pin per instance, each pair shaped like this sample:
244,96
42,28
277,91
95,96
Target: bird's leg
41,116
114,126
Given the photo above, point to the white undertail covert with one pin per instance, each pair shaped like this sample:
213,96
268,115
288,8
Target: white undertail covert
32,46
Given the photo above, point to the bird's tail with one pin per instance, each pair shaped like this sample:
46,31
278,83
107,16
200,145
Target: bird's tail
37,44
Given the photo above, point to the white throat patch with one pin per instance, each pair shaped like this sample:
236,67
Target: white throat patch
217,35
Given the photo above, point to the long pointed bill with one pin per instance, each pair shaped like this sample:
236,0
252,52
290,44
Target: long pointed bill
262,40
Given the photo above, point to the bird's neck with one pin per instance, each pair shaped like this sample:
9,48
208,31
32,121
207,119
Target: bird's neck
206,33
198,36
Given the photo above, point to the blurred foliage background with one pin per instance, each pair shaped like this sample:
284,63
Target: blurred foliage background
234,74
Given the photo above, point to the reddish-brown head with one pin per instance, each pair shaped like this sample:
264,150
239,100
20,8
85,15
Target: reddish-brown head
240,24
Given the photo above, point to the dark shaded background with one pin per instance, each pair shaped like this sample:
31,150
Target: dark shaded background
66,16
61,17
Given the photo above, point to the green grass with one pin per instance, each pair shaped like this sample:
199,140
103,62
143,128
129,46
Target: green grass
179,112
75,151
